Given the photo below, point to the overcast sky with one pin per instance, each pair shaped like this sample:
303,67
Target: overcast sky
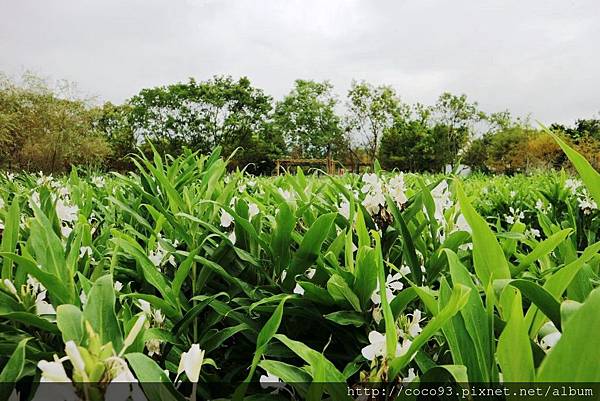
530,56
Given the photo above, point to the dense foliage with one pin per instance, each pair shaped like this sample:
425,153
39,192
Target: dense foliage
49,130
179,272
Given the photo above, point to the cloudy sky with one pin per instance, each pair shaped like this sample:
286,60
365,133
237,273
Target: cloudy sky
535,56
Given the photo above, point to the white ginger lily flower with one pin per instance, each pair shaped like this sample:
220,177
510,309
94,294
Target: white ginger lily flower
53,372
397,190
191,363
287,195
298,289
226,219
392,285
344,209
410,377
85,250
271,381
66,213
377,345
10,287
572,185
41,306
253,210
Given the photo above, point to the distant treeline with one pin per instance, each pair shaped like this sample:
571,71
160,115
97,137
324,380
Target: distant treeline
44,129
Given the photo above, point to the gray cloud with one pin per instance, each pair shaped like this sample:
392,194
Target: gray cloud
536,56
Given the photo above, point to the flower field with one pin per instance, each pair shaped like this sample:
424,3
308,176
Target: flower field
225,286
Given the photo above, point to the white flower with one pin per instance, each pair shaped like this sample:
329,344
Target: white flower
145,307
392,285
413,326
124,375
344,209
411,376
232,237
371,183
550,340
272,381
153,347
53,372
10,176
298,289
35,199
75,356
441,200
310,273
1,203
191,362
118,286
587,204
539,204
42,307
404,270
85,250
376,348
34,284
287,195
373,202
513,194
533,232
83,298
157,256
65,230
572,185
98,181
158,316
226,219
252,210
10,287
397,189
65,212
133,333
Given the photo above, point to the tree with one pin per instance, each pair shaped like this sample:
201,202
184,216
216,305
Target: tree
112,122
458,117
306,119
42,130
201,115
371,111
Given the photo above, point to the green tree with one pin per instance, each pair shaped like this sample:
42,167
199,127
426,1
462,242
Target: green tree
202,115
371,111
457,116
41,129
307,120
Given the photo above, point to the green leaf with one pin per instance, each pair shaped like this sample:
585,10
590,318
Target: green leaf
457,301
346,318
149,374
474,316
589,176
100,312
488,257
10,235
340,291
365,276
544,248
70,323
575,357
12,370
264,336
514,351
285,221
310,248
